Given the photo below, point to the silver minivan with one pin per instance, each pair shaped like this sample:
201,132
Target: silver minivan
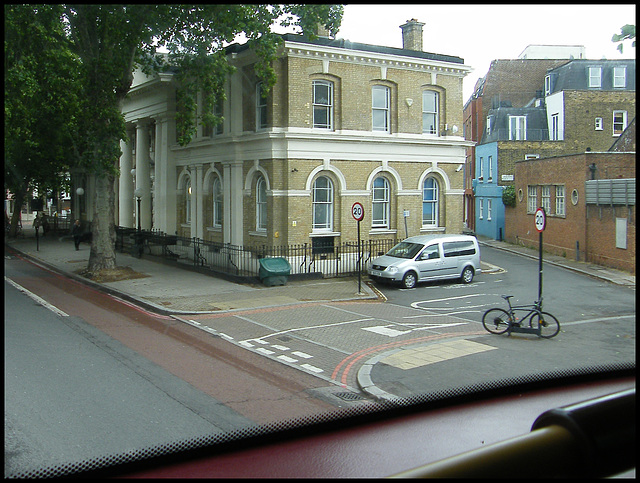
428,257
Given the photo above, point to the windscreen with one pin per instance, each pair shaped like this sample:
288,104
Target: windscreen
405,250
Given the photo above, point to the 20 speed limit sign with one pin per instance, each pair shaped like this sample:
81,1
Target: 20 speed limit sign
541,219
357,211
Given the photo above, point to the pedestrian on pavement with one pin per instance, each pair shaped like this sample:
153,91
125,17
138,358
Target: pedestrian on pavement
77,234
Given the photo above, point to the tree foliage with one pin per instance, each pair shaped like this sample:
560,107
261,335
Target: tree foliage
628,32
509,196
111,40
40,81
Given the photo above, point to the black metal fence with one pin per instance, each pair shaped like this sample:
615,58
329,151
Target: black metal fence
244,261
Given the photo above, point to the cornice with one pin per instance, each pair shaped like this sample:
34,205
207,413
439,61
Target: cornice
304,50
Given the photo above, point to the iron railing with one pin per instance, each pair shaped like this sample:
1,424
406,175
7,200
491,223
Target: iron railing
244,261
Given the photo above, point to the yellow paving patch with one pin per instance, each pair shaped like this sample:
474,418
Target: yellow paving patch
422,356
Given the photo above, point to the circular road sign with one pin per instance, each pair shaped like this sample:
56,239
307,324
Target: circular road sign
541,219
357,211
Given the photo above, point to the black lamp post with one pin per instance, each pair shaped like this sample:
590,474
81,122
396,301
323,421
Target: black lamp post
138,195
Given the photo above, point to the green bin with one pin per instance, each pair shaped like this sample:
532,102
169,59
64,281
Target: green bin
274,271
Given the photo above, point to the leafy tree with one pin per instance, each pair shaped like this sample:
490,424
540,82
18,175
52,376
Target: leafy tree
509,195
40,76
111,40
628,32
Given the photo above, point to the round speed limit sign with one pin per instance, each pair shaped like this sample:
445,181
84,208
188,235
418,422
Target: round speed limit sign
357,211
541,219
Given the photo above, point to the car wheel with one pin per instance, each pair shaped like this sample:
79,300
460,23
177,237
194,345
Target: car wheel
409,280
467,275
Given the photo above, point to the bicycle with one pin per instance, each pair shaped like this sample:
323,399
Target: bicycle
499,321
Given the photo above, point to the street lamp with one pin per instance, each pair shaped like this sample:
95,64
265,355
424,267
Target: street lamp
138,194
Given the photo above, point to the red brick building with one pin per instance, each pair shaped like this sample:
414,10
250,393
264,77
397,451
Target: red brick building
589,199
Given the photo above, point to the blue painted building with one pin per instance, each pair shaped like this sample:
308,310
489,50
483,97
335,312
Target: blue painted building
488,194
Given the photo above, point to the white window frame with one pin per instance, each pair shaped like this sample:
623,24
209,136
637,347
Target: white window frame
481,169
546,198
489,206
488,124
327,107
261,204
383,109
261,108
490,167
532,198
560,200
620,77
620,125
517,128
380,202
430,113
599,125
595,76
555,127
547,85
322,200
217,202
481,208
430,194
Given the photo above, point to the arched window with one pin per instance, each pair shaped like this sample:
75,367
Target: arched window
217,203
430,202
261,204
380,205
187,197
323,204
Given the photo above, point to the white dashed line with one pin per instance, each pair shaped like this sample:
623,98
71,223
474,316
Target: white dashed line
311,368
302,354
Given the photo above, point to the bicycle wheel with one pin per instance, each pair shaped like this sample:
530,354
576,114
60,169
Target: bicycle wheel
496,321
549,325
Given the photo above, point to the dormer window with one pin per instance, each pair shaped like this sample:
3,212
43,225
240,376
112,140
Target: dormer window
595,76
547,85
619,76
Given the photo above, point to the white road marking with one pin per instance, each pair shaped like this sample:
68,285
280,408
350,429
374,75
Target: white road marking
304,355
311,368
39,300
385,330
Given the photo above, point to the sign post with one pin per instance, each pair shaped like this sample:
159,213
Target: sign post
541,223
358,214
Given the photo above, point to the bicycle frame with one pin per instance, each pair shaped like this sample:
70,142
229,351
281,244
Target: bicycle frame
516,325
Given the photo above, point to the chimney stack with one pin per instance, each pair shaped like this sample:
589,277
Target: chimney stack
412,35
322,31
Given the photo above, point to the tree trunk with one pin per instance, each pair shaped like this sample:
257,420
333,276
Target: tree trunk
103,229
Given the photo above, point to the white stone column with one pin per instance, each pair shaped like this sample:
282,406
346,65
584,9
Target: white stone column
160,187
237,210
125,195
227,220
199,199
143,176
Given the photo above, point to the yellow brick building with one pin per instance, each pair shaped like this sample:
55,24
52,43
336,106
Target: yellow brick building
344,123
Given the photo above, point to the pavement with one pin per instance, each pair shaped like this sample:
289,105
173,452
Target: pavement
168,288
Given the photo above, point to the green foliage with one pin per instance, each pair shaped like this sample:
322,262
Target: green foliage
41,84
628,32
509,196
105,43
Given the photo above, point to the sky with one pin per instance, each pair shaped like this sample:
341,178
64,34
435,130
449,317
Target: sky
482,33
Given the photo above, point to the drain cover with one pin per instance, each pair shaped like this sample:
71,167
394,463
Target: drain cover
349,396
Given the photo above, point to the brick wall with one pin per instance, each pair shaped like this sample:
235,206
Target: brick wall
581,110
589,227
